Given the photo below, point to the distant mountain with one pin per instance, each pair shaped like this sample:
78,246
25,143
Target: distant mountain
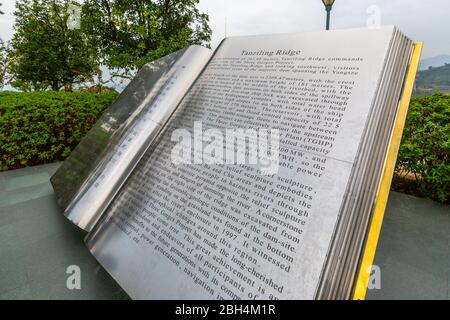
434,61
434,79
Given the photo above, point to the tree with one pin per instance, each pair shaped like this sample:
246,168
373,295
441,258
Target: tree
4,48
131,33
45,52
3,58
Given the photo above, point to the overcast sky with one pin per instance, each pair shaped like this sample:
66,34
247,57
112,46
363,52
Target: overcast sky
425,20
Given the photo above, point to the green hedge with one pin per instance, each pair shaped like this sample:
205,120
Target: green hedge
43,127
423,166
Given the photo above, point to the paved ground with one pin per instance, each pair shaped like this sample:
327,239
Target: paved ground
37,244
414,250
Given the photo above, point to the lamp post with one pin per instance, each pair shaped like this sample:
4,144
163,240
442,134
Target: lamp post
328,5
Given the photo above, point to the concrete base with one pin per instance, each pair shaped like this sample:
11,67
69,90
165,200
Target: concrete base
37,245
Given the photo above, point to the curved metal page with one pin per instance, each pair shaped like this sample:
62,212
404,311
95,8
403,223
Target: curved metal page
202,231
92,174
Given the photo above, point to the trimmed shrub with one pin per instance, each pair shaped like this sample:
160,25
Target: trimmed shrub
43,127
423,166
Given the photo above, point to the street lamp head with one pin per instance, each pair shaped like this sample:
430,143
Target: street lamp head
328,2
328,5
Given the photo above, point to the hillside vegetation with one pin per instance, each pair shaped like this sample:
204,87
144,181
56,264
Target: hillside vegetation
433,80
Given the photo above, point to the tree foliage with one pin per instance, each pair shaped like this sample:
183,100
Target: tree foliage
4,48
131,33
45,53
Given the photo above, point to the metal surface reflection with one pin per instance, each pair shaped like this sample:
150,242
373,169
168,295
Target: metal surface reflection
94,172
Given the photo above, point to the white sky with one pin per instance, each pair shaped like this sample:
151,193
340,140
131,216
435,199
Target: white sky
425,20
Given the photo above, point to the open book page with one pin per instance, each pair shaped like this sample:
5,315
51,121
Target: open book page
94,172
213,231
367,171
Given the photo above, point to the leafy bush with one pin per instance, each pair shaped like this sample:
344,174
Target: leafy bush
42,127
423,162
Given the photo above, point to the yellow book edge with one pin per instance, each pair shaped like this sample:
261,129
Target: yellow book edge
391,158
